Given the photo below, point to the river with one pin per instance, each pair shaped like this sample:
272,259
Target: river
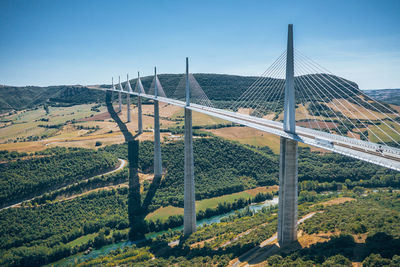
72,260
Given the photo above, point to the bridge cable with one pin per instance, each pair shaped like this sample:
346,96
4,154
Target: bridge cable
321,98
358,90
313,102
277,95
313,80
304,108
272,95
267,85
250,91
303,94
360,113
260,84
279,100
332,101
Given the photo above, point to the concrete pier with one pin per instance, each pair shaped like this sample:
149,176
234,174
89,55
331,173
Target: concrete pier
157,142
140,119
128,107
128,99
189,218
120,101
288,185
119,94
189,213
287,220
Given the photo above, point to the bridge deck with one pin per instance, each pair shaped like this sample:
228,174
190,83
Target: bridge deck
381,155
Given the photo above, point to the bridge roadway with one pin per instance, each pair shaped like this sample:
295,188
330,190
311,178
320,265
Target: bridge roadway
381,155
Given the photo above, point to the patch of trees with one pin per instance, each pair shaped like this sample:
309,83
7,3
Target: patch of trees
19,98
10,155
357,217
29,233
32,230
52,126
26,178
330,167
80,187
133,255
380,249
221,167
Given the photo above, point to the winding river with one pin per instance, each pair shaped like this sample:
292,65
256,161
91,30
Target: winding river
72,260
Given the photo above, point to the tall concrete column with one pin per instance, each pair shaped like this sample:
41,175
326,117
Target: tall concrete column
289,121
288,187
128,99
140,123
119,94
113,89
189,213
288,184
157,142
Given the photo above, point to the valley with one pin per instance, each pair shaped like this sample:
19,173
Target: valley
80,215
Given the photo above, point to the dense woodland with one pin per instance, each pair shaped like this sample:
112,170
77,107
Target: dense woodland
244,167
18,98
31,177
221,167
381,247
44,230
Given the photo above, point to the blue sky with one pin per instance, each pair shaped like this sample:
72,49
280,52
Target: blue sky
87,42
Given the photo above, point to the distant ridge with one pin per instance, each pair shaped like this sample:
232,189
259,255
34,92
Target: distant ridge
391,96
218,87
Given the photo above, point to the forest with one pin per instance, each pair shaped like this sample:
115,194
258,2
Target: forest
21,179
380,248
221,167
44,230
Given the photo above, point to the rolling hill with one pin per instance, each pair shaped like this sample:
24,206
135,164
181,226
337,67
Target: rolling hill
218,87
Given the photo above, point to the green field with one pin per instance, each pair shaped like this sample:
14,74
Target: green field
384,132
199,119
26,123
81,240
211,203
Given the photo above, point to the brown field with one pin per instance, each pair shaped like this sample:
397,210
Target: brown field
26,124
317,124
306,240
108,131
246,111
397,108
252,136
24,146
302,113
337,201
253,192
353,111
101,116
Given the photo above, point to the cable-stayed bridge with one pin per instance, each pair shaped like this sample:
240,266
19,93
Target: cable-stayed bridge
296,99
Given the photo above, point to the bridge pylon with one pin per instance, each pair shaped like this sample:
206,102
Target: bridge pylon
288,184
140,123
119,94
189,213
157,142
128,99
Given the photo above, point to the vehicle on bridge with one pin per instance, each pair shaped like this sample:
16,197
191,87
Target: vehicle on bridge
324,142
